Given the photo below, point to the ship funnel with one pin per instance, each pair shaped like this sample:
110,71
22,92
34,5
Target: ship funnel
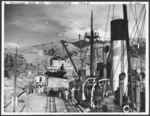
119,52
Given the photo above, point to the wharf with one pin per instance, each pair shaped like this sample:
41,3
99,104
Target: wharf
36,103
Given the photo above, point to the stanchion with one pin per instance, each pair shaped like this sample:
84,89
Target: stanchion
121,87
138,99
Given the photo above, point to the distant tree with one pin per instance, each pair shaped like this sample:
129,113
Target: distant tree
9,64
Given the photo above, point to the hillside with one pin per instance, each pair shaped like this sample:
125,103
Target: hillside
52,49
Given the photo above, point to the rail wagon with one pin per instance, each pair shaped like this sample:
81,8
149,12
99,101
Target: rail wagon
54,84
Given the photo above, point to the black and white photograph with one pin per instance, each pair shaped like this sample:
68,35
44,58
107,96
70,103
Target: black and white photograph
63,57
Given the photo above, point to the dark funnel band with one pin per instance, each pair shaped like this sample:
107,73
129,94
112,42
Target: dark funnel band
117,29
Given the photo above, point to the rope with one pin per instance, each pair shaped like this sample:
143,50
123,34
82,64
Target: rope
142,29
143,23
107,22
106,28
84,39
135,19
113,12
109,55
129,14
96,48
120,61
85,52
141,34
139,17
136,23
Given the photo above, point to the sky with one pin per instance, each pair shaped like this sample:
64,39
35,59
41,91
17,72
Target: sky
27,24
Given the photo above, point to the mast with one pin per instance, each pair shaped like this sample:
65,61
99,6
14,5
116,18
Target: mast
81,59
14,94
91,46
91,37
128,54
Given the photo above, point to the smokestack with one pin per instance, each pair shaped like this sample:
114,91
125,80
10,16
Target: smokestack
119,52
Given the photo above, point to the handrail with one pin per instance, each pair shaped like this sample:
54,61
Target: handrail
94,87
83,94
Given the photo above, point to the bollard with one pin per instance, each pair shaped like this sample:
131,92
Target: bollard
121,87
138,91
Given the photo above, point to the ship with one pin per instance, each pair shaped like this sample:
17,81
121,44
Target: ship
111,86
116,87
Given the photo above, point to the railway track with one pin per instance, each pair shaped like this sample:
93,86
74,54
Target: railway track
20,105
51,104
72,107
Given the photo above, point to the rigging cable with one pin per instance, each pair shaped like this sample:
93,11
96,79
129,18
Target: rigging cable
96,48
138,22
138,31
107,22
106,28
139,17
129,13
95,43
143,23
84,57
87,48
113,12
125,46
142,30
135,20
138,35
109,55
119,62
133,60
